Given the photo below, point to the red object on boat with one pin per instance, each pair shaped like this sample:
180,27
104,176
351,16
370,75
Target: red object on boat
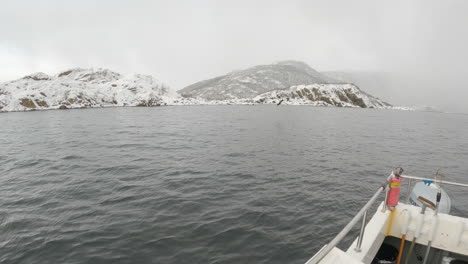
394,193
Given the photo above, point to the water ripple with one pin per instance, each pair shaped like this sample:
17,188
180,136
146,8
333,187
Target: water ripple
214,184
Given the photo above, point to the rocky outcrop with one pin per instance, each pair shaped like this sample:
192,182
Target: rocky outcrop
39,76
28,103
340,95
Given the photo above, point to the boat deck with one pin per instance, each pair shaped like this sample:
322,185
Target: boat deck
450,238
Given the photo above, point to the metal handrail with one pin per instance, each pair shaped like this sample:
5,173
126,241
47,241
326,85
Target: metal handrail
435,181
324,251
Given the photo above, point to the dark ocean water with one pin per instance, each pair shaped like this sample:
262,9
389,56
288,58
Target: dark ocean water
205,184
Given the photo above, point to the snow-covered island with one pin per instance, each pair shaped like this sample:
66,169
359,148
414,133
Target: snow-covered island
81,88
289,82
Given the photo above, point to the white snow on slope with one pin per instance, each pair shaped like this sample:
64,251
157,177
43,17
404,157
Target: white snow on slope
248,83
78,88
85,88
341,95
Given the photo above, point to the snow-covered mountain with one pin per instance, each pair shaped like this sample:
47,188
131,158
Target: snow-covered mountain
288,82
254,81
78,88
291,82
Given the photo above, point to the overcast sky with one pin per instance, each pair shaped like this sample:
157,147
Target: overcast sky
420,46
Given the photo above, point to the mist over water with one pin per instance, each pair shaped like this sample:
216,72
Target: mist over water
205,184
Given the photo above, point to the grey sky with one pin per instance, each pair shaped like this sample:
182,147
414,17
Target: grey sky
419,45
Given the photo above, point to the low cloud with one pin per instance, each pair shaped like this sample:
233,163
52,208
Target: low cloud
418,45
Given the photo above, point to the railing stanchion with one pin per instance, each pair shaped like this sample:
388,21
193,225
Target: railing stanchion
384,206
361,233
408,190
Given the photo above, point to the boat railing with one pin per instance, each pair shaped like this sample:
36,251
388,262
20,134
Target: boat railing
362,214
411,178
325,250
